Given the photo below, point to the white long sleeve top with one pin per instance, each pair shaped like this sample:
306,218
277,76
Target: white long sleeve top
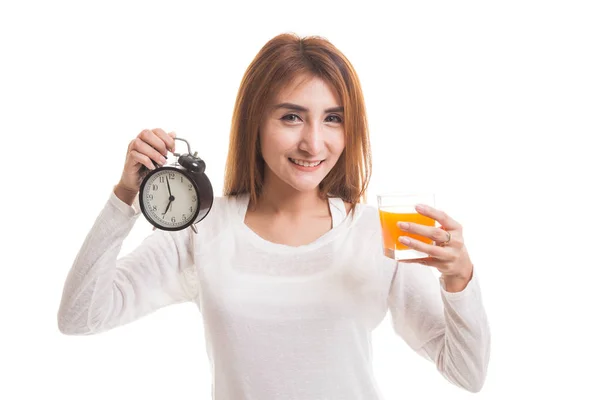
280,322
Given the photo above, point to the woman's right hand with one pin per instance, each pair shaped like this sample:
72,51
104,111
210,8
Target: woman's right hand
148,146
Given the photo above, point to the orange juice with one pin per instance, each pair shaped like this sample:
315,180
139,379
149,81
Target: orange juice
391,232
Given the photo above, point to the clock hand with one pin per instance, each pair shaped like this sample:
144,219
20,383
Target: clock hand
168,205
169,187
171,198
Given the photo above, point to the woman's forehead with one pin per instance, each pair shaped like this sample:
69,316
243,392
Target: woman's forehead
306,87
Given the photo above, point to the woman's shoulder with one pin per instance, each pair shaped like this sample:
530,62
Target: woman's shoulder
367,210
227,207
361,229
365,217
224,216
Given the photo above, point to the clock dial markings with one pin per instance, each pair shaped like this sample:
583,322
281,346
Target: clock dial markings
170,199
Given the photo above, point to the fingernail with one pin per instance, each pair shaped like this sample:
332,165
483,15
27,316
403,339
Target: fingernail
404,239
421,207
163,160
403,225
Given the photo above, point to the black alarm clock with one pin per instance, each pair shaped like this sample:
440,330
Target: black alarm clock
176,196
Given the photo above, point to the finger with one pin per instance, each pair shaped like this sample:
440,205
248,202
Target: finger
173,135
141,146
422,261
428,262
142,159
444,219
153,140
437,234
434,251
166,139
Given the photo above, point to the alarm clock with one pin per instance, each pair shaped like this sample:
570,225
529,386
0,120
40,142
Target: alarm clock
176,196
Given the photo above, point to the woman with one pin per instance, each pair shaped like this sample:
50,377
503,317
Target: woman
287,269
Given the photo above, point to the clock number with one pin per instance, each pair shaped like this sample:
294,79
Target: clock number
173,219
194,199
191,209
153,208
183,217
161,179
171,175
154,187
150,196
190,186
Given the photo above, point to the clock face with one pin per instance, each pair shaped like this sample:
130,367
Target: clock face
169,199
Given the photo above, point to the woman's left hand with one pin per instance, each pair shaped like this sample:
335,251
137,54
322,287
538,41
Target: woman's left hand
449,254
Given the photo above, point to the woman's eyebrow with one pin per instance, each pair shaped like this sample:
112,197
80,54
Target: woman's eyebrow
296,107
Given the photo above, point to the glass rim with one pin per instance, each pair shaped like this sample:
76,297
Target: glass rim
405,194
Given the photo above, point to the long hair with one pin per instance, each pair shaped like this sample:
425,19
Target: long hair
280,60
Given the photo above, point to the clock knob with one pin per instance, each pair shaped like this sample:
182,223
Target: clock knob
192,164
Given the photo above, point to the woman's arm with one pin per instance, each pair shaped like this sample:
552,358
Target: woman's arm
449,328
103,291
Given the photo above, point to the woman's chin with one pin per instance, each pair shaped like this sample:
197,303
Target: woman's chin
304,185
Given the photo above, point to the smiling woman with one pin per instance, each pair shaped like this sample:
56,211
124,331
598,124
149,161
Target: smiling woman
314,79
299,150
287,269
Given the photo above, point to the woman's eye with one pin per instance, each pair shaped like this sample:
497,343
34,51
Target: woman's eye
336,118
290,117
296,118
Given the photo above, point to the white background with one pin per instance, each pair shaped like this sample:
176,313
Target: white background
494,106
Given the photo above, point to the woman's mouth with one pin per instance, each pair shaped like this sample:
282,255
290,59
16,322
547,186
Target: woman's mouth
305,165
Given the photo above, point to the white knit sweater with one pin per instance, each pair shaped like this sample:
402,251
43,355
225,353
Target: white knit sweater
281,322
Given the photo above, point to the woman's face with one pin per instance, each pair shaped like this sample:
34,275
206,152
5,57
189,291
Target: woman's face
302,134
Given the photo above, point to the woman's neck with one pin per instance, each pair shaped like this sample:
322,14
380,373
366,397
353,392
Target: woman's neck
286,201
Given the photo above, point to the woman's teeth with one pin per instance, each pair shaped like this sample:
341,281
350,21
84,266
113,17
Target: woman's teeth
304,163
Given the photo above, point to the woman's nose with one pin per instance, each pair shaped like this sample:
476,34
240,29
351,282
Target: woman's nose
312,139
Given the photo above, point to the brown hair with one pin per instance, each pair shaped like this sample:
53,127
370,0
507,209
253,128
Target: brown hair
282,59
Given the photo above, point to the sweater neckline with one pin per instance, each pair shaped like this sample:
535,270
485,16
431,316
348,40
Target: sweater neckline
339,223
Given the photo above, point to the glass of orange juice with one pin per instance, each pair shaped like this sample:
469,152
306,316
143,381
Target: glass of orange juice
400,207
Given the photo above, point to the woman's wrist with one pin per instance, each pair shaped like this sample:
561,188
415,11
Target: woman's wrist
126,195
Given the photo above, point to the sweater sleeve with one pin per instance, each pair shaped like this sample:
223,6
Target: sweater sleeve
450,329
103,291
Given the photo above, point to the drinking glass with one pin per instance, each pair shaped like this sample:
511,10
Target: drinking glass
400,207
